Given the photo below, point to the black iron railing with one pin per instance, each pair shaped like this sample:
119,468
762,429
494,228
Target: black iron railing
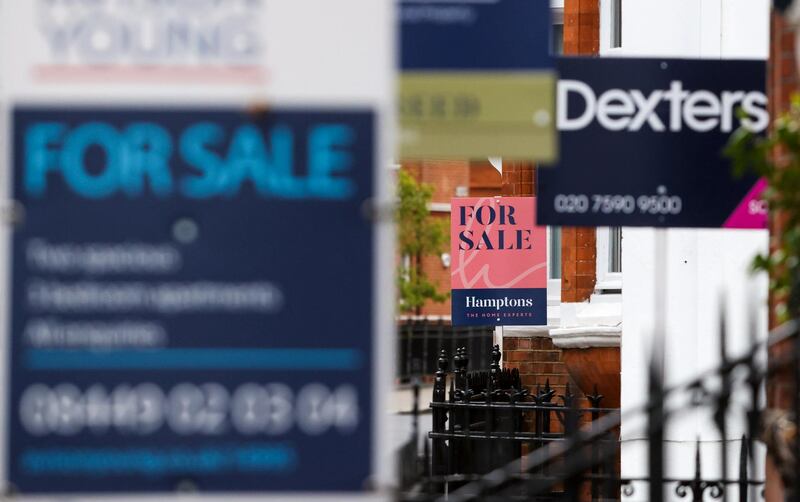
485,419
492,440
419,343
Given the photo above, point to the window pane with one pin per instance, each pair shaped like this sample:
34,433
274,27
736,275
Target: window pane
554,253
615,249
616,23
557,44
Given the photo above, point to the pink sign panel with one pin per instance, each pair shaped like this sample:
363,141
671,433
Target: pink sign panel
499,262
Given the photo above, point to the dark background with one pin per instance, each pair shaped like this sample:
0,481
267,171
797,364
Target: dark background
508,34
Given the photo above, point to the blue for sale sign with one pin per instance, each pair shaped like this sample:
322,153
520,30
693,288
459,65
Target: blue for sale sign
642,144
470,35
477,79
177,309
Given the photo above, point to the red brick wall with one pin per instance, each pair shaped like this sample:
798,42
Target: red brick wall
484,180
782,78
578,245
444,175
782,82
438,274
519,179
578,263
582,27
538,361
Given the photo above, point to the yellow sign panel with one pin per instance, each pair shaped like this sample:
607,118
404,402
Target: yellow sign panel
478,115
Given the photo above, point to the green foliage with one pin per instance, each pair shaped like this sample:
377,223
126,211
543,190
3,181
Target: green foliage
776,157
418,235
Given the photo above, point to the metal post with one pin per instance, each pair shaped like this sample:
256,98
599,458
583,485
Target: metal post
538,421
451,442
754,380
743,484
612,488
655,422
546,397
424,367
655,436
415,414
439,414
574,482
488,418
723,401
409,348
470,460
594,402
440,335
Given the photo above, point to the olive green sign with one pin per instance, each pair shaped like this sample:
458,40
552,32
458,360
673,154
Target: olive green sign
477,80
472,115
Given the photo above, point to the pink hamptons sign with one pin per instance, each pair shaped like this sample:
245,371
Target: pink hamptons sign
498,262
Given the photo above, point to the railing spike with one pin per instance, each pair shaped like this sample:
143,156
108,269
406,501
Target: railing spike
697,465
743,481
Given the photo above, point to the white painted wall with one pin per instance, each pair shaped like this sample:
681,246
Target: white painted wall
704,268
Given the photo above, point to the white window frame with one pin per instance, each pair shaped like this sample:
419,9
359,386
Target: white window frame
557,11
553,285
605,280
557,19
607,28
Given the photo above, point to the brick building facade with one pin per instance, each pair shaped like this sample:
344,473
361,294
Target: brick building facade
530,350
534,353
782,83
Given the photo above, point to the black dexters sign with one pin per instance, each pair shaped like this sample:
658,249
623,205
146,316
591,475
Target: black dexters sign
642,141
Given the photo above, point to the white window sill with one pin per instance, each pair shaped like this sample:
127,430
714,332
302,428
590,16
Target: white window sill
586,337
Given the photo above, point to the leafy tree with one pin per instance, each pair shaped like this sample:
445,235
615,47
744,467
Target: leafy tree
776,157
419,235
